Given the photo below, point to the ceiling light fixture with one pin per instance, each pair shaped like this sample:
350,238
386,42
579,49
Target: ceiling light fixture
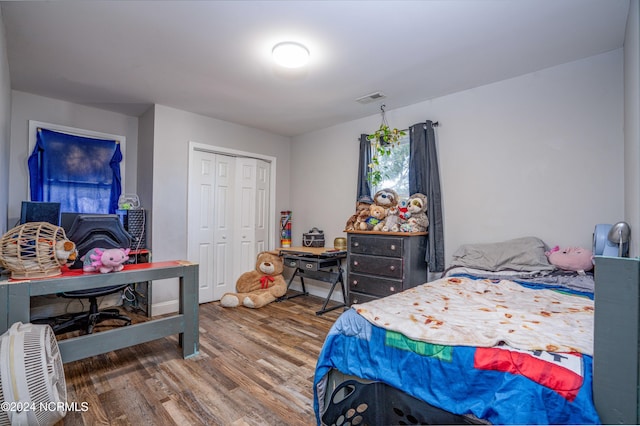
290,54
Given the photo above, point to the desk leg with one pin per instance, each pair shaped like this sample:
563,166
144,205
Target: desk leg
334,279
18,304
4,308
189,306
304,289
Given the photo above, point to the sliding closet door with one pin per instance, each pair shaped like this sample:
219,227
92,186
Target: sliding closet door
201,229
224,233
263,182
228,218
252,179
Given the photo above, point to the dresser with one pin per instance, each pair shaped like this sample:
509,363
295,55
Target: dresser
384,263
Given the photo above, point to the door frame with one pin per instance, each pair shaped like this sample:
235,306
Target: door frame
195,146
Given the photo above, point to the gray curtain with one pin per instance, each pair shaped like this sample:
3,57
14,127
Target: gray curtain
424,177
364,190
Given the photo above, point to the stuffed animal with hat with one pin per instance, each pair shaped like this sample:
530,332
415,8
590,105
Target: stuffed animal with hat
361,214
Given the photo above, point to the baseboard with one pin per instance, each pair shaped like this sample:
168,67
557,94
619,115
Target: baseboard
319,290
162,308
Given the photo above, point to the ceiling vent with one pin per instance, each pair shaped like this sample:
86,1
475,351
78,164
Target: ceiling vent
370,97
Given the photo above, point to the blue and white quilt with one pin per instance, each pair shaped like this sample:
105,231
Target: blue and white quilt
494,349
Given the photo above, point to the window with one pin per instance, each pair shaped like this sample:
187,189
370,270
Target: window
79,169
395,169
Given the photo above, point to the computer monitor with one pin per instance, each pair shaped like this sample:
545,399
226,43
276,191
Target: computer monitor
40,211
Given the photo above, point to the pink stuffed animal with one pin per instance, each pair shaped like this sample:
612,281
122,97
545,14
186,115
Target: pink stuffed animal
571,259
105,260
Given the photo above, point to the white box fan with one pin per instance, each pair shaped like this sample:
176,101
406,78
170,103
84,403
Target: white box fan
32,385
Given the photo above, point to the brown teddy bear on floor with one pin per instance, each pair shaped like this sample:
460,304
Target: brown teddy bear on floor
259,287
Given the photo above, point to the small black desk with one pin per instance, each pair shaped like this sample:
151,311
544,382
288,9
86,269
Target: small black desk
316,263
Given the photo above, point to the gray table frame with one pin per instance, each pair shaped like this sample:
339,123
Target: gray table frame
15,302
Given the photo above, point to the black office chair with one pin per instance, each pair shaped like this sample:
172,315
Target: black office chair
89,319
89,231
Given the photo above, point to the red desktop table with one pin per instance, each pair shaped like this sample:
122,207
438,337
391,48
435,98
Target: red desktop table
15,305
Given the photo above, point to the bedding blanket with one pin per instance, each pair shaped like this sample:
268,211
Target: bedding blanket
494,381
464,311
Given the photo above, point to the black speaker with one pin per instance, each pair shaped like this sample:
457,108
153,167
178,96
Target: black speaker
134,223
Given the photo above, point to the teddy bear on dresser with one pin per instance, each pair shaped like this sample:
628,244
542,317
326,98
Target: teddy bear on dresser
417,208
375,220
259,287
361,214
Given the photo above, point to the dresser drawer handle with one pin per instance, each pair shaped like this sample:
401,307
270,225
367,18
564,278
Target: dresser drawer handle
355,282
355,263
356,244
393,246
392,289
392,268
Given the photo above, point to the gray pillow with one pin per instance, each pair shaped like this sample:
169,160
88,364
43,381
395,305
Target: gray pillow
520,254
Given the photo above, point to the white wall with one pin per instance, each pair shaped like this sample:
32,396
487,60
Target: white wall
632,125
172,131
540,154
26,106
5,119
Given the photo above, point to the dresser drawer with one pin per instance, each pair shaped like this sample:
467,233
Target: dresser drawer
376,246
385,266
355,298
373,285
310,264
291,262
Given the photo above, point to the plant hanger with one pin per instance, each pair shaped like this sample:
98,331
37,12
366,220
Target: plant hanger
385,135
382,141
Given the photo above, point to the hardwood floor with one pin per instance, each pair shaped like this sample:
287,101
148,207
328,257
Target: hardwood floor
255,367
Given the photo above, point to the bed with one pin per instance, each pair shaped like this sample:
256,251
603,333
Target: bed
508,343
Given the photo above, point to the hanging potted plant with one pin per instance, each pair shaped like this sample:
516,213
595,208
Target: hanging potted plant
383,141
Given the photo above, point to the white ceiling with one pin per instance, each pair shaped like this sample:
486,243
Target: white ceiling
213,57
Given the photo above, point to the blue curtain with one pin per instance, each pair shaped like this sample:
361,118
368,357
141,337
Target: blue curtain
364,189
81,173
424,177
